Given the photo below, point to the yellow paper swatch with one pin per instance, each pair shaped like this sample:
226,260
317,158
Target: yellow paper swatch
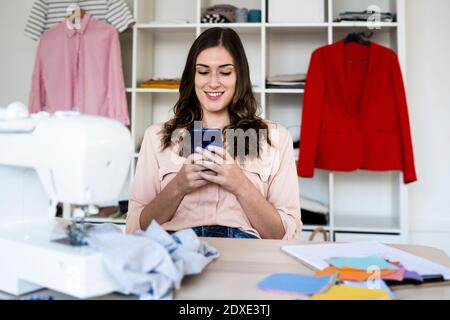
343,292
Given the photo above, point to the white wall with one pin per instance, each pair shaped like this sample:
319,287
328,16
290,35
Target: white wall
428,89
428,81
16,53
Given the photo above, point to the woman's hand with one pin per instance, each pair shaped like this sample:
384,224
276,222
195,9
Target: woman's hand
262,214
188,178
227,172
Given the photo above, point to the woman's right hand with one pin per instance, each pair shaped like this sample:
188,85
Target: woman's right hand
188,178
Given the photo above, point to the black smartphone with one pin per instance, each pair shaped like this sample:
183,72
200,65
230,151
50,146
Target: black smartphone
204,137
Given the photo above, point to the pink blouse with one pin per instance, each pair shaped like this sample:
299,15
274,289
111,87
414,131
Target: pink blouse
273,174
80,69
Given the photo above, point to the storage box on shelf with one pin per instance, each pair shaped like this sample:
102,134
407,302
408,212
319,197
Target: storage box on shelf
367,205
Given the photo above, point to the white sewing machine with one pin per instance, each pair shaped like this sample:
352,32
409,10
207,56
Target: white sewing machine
46,159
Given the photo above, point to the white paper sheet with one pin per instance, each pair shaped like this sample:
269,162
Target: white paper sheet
316,255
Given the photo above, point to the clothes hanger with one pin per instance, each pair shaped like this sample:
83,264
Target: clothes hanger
359,37
74,10
75,14
80,11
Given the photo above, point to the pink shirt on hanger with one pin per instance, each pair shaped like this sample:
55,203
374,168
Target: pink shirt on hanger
273,174
80,69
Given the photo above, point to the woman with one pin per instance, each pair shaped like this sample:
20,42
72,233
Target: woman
246,195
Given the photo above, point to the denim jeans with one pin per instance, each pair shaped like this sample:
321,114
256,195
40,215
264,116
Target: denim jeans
220,232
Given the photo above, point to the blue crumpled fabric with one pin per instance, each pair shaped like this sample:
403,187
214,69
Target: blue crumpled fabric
150,263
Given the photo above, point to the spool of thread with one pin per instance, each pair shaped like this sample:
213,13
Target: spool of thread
242,15
254,15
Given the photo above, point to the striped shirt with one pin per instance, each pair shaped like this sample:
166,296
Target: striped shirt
46,13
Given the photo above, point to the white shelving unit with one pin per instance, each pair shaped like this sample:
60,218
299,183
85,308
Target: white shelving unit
363,205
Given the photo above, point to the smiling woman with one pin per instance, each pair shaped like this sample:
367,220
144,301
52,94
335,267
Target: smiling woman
227,191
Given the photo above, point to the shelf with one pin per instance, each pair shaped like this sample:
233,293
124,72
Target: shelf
297,27
155,90
255,25
376,224
285,91
166,26
362,24
161,41
257,89
241,28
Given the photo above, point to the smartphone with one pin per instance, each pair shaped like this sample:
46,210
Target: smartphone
204,137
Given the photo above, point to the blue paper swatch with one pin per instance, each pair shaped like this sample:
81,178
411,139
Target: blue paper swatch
363,263
296,283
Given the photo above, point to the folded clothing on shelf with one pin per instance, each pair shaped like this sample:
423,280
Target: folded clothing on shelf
241,15
286,81
225,10
160,84
294,85
287,77
365,16
214,18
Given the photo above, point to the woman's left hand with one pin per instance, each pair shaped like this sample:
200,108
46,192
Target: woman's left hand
227,172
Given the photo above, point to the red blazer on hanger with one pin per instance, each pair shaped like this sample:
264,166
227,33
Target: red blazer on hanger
355,112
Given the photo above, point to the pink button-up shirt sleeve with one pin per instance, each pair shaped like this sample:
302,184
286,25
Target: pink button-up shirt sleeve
37,92
283,192
146,183
118,107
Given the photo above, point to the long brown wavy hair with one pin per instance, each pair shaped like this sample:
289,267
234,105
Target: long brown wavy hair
243,107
